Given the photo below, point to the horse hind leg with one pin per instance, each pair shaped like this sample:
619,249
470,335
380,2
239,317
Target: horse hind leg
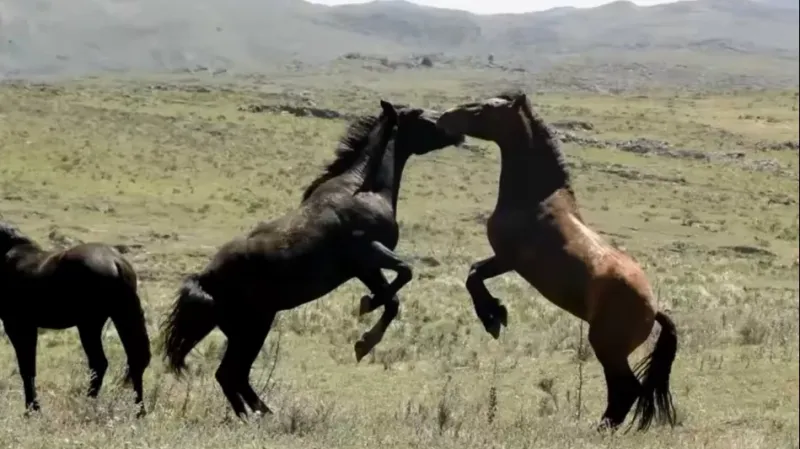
228,378
91,339
623,390
612,342
249,349
131,326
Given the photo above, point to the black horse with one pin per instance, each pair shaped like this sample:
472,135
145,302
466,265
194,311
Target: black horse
82,286
344,228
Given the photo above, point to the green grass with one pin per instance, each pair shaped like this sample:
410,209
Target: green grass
175,173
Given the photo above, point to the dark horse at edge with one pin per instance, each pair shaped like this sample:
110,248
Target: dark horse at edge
81,286
344,228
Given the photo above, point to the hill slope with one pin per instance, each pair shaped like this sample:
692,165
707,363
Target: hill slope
48,37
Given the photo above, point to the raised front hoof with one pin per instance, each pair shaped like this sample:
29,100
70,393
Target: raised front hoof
493,326
362,348
502,314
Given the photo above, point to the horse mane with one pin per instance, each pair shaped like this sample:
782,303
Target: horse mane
351,145
14,236
544,139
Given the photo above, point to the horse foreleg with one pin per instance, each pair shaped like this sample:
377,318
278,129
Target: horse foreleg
377,283
489,309
24,339
377,256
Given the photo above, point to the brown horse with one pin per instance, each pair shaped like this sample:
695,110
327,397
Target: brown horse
344,228
82,286
537,230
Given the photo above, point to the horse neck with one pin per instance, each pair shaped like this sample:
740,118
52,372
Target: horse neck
386,181
368,167
531,169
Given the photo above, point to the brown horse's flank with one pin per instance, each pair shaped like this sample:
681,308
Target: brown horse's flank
537,230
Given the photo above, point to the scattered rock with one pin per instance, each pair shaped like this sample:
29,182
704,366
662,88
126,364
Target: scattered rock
299,111
62,240
428,261
125,248
744,250
573,125
635,175
786,145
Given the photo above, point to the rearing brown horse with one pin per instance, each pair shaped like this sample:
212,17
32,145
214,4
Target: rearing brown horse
537,230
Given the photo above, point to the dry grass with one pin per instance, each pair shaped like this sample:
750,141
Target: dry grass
174,172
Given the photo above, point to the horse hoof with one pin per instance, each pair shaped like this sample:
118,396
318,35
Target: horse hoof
263,412
606,426
365,306
493,328
361,349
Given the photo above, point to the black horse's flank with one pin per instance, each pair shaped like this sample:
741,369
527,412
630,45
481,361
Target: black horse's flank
344,228
81,286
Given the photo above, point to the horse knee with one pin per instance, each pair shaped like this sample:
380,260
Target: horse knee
404,273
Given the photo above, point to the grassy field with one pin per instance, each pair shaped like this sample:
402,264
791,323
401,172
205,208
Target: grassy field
175,169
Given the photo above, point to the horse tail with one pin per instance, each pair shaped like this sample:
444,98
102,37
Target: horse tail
191,319
131,324
655,399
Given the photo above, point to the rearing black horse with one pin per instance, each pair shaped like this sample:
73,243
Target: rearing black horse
81,286
345,227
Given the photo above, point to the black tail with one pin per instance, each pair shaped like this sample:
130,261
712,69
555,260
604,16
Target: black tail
191,319
655,399
131,324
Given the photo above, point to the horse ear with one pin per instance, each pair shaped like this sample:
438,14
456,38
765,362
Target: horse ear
388,108
520,101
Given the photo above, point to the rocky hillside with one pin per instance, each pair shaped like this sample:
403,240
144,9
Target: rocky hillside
733,38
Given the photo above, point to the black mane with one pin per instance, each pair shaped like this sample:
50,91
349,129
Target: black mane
351,145
544,139
12,235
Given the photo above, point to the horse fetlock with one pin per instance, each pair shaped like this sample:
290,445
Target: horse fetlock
141,413
32,407
607,425
500,312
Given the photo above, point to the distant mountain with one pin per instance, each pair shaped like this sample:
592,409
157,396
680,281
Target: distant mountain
60,37
787,4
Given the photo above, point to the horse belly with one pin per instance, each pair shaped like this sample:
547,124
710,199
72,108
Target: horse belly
62,306
561,286
310,285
